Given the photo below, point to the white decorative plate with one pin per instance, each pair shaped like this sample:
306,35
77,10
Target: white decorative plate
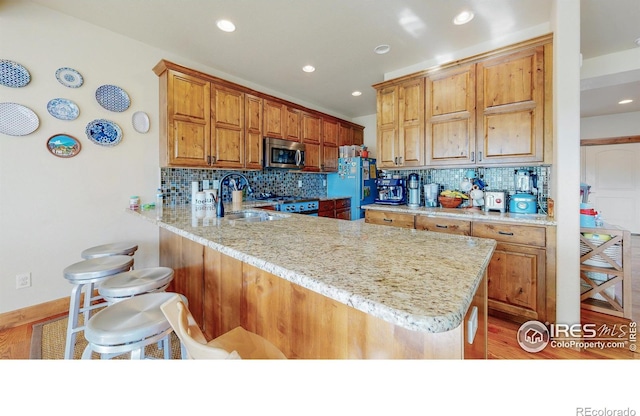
17,120
104,132
63,109
112,98
12,74
69,77
140,121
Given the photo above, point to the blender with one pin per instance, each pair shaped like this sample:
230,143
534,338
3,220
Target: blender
524,200
413,184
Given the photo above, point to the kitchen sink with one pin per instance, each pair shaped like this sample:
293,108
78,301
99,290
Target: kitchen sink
253,216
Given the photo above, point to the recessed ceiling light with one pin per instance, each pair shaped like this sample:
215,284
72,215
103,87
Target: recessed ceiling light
463,17
356,93
625,101
382,49
308,68
226,25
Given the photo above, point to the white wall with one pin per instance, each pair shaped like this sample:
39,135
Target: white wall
51,208
613,125
369,124
566,156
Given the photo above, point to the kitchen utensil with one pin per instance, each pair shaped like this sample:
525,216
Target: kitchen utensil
495,201
413,185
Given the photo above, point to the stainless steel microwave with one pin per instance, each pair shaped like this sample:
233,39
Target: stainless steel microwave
280,153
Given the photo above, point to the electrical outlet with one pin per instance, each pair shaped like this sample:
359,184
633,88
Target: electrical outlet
216,184
205,184
300,183
324,182
23,280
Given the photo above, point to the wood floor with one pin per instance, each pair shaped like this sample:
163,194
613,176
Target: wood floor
15,342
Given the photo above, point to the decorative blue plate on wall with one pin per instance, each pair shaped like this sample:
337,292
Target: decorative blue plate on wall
63,109
104,132
113,98
69,77
13,75
17,120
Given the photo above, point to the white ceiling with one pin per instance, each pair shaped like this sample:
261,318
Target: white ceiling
276,38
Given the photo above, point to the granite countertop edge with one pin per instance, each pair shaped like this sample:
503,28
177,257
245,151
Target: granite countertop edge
433,323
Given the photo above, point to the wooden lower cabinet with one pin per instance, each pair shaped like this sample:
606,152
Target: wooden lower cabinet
335,208
395,219
224,292
521,274
443,225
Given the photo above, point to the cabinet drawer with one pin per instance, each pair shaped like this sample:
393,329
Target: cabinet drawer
508,233
343,214
327,205
343,203
443,225
390,218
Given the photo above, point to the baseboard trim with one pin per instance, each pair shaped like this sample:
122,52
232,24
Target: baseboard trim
33,313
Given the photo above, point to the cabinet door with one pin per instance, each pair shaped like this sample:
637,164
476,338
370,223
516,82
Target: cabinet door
188,124
227,117
387,126
411,123
330,132
253,132
329,162
358,136
345,135
311,137
274,119
451,117
510,110
516,283
293,124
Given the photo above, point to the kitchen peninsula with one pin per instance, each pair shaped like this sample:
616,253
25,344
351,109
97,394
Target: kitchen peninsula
323,288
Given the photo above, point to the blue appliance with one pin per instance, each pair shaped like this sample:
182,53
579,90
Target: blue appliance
356,178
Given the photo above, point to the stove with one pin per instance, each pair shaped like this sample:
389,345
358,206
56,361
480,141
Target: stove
291,203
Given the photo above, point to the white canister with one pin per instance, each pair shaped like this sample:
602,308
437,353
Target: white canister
200,199
210,196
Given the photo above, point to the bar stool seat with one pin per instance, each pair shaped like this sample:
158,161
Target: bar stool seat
126,248
135,282
84,275
128,326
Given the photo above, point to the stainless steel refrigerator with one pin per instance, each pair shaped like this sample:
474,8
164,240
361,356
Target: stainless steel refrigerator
356,178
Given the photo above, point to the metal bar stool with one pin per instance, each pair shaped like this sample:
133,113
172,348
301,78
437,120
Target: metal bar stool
137,282
128,326
126,248
85,275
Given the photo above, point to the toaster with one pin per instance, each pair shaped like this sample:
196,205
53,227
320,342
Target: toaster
495,201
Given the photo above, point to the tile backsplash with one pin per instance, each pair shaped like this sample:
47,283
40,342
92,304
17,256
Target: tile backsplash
176,182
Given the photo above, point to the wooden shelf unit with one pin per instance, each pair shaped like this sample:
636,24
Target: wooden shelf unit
613,259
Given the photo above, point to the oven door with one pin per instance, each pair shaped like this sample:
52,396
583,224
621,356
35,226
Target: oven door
283,154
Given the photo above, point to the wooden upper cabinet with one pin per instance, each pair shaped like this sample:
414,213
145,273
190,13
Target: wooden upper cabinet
330,132
253,136
293,124
411,123
510,109
185,130
311,137
227,120
358,136
450,102
401,124
274,119
345,134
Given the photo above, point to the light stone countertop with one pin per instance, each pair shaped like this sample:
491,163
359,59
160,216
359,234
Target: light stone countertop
467,214
418,280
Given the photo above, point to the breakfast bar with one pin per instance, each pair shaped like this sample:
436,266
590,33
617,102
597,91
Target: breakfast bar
324,288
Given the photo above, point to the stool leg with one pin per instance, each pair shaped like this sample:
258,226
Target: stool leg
166,346
73,321
86,354
138,353
88,296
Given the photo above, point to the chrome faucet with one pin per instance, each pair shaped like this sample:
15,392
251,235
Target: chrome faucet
226,178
